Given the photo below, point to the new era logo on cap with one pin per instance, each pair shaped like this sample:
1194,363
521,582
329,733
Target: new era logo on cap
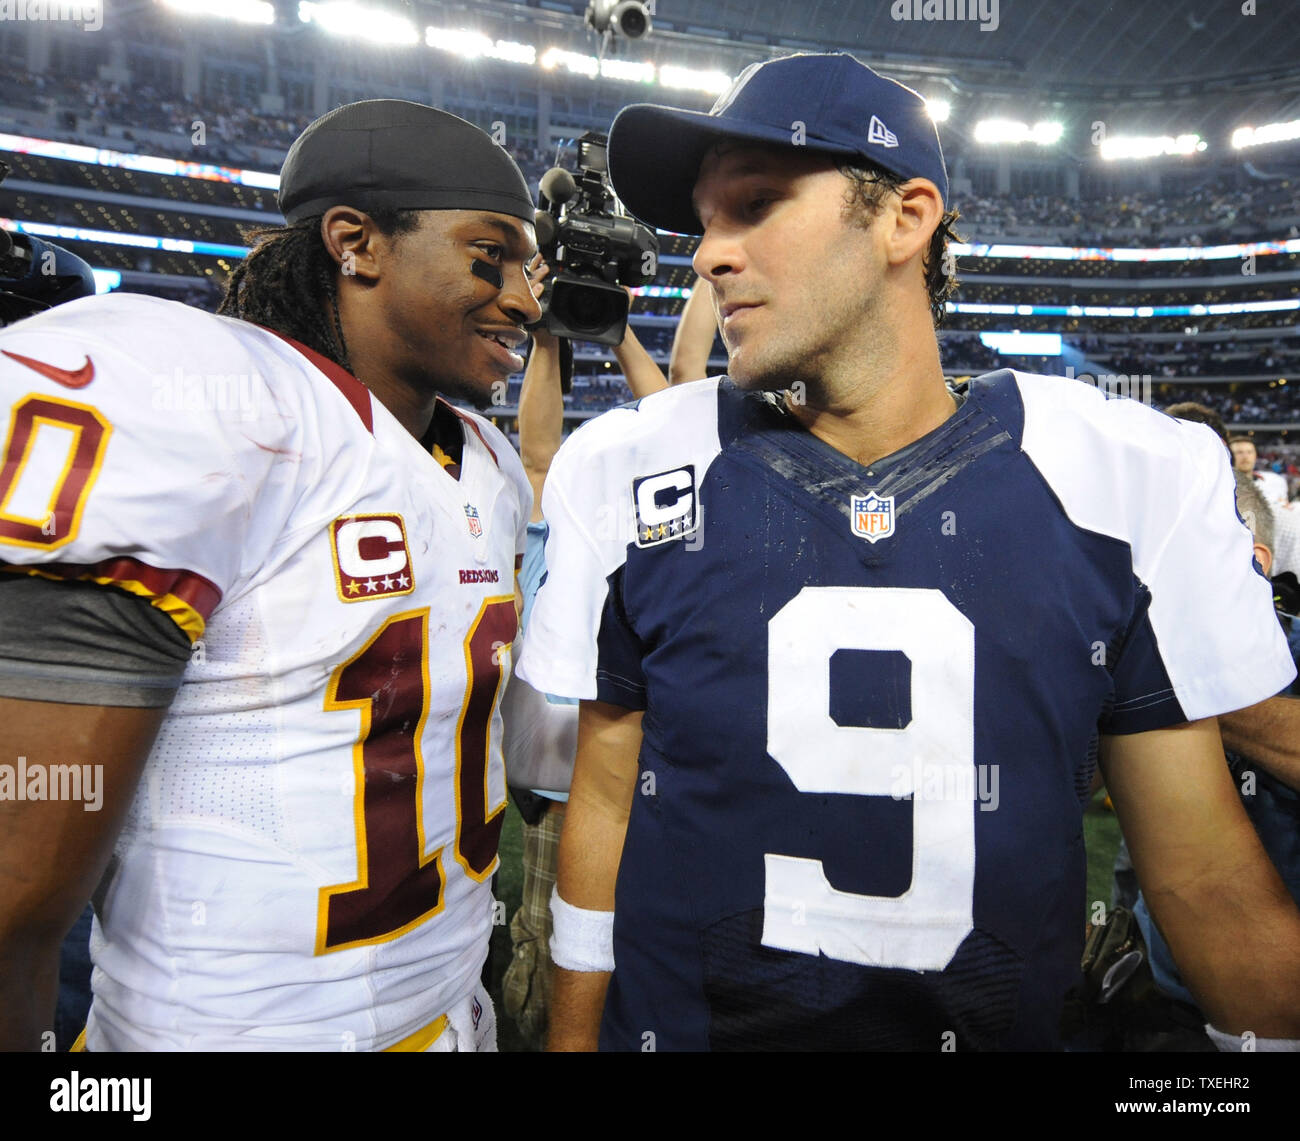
842,107
879,134
737,86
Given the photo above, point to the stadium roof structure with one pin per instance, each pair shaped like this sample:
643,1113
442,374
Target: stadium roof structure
1160,55
1085,42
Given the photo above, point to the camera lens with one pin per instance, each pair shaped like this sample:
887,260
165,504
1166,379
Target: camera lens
590,310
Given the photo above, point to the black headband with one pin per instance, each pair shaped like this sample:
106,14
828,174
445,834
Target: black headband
396,155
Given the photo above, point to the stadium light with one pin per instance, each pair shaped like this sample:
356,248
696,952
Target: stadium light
117,238
938,109
1044,133
107,280
575,62
151,164
627,69
1023,344
475,45
357,21
691,79
1136,312
344,18
1233,250
590,66
243,11
1268,133
1149,146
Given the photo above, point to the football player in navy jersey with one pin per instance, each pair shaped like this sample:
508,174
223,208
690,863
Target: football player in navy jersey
849,643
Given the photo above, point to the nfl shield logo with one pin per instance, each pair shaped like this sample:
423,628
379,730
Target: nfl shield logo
872,516
471,517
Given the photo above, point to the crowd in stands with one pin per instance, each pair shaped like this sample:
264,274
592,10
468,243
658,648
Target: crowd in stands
1204,357
228,128
1034,292
961,355
1282,458
1242,404
1220,209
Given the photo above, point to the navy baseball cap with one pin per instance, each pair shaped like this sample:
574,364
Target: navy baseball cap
845,108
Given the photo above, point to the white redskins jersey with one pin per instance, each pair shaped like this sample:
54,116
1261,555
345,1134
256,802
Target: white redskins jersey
307,861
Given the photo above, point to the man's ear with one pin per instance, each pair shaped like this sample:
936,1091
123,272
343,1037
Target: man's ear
1265,559
918,210
353,241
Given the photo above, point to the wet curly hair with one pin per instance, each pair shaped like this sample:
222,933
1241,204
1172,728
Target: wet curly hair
870,184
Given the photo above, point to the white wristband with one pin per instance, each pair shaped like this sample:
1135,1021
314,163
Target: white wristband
1237,1043
582,940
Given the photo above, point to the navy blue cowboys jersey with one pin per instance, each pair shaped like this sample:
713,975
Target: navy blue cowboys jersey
873,696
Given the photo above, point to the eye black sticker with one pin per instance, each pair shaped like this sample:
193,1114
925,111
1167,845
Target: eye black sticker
488,272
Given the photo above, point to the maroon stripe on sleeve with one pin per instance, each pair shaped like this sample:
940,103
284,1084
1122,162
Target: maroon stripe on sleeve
354,392
192,589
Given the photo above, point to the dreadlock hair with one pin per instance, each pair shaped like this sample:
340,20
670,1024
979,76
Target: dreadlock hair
289,282
870,185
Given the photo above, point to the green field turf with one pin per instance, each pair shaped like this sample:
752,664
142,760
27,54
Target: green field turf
1100,830
509,890
1101,834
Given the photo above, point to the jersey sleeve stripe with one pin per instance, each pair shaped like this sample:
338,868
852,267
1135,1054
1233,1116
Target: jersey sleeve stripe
421,1040
354,392
188,599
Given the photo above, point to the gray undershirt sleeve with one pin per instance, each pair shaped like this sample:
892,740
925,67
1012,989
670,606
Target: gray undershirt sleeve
84,643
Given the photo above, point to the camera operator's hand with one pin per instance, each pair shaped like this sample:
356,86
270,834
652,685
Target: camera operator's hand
537,271
541,404
693,342
544,343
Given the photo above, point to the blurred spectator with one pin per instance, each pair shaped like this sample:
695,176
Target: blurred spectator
1169,1019
1271,802
526,986
1286,539
1244,458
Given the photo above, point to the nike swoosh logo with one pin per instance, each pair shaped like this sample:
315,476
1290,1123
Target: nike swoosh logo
66,377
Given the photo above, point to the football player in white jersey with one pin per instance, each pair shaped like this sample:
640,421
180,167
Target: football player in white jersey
258,616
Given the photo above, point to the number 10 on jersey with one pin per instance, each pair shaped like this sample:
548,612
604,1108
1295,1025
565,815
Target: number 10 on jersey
398,886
